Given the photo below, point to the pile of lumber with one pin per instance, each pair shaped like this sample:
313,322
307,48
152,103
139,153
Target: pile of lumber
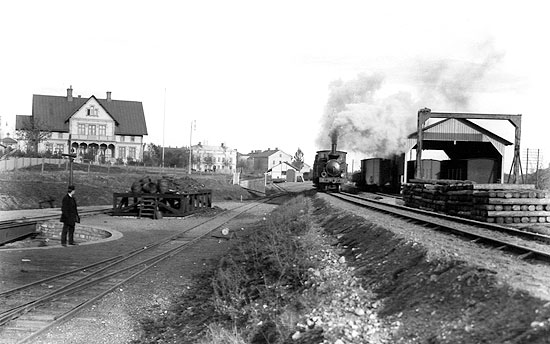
509,203
440,195
495,203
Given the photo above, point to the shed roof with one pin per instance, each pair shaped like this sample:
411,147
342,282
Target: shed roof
458,130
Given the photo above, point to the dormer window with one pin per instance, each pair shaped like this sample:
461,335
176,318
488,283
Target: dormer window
92,111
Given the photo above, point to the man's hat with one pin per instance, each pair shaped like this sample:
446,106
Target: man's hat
71,188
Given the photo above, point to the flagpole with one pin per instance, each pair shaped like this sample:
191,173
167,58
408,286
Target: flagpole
190,150
163,127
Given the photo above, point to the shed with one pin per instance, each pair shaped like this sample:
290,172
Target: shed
468,146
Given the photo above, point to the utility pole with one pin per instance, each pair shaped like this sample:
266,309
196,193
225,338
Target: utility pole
193,126
71,158
163,126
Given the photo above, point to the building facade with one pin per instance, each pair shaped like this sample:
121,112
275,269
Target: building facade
101,130
262,161
219,159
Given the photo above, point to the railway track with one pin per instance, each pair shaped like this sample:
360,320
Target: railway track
29,310
525,244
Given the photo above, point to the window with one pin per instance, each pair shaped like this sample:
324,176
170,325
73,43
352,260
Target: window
132,139
132,152
122,139
81,129
59,135
59,148
91,111
49,147
102,130
92,129
122,152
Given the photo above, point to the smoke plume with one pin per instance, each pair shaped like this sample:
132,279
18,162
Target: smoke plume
362,122
358,121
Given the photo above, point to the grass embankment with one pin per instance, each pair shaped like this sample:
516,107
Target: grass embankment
32,187
255,293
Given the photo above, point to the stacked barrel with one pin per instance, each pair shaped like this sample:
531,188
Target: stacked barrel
495,203
508,203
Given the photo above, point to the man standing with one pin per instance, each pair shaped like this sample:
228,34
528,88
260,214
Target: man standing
69,216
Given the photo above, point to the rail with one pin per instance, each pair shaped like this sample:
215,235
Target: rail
525,244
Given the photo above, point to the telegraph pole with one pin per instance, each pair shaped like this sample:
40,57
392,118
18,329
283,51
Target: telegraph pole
163,126
193,124
71,158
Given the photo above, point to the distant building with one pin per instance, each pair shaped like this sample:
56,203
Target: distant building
104,129
262,161
220,159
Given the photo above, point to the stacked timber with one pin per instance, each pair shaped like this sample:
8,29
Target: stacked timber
440,195
509,203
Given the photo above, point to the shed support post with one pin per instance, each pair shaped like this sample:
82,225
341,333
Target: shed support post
423,115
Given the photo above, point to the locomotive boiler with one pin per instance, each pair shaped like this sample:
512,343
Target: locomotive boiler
329,169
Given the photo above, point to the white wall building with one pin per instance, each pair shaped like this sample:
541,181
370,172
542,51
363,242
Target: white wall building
106,129
220,159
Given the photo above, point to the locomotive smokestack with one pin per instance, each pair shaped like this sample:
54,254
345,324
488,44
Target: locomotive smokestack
333,139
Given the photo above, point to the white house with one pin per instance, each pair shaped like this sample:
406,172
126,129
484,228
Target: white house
105,129
220,159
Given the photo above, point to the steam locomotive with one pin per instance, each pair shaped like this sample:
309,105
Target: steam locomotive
329,169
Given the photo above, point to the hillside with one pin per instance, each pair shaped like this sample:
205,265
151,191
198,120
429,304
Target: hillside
32,188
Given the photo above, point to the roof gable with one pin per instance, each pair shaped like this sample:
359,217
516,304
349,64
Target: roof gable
93,104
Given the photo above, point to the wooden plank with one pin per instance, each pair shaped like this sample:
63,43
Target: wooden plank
504,186
520,201
517,213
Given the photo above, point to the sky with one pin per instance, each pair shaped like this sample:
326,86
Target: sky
256,74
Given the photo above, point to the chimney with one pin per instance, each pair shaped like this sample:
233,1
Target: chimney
108,96
333,148
70,93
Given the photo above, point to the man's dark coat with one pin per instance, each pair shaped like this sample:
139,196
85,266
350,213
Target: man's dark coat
69,213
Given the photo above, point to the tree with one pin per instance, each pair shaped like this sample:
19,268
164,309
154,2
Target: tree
298,159
152,155
34,131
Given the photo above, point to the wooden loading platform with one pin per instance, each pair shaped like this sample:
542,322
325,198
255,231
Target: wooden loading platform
160,205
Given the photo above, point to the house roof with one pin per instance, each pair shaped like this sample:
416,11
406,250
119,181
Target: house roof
264,154
55,111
